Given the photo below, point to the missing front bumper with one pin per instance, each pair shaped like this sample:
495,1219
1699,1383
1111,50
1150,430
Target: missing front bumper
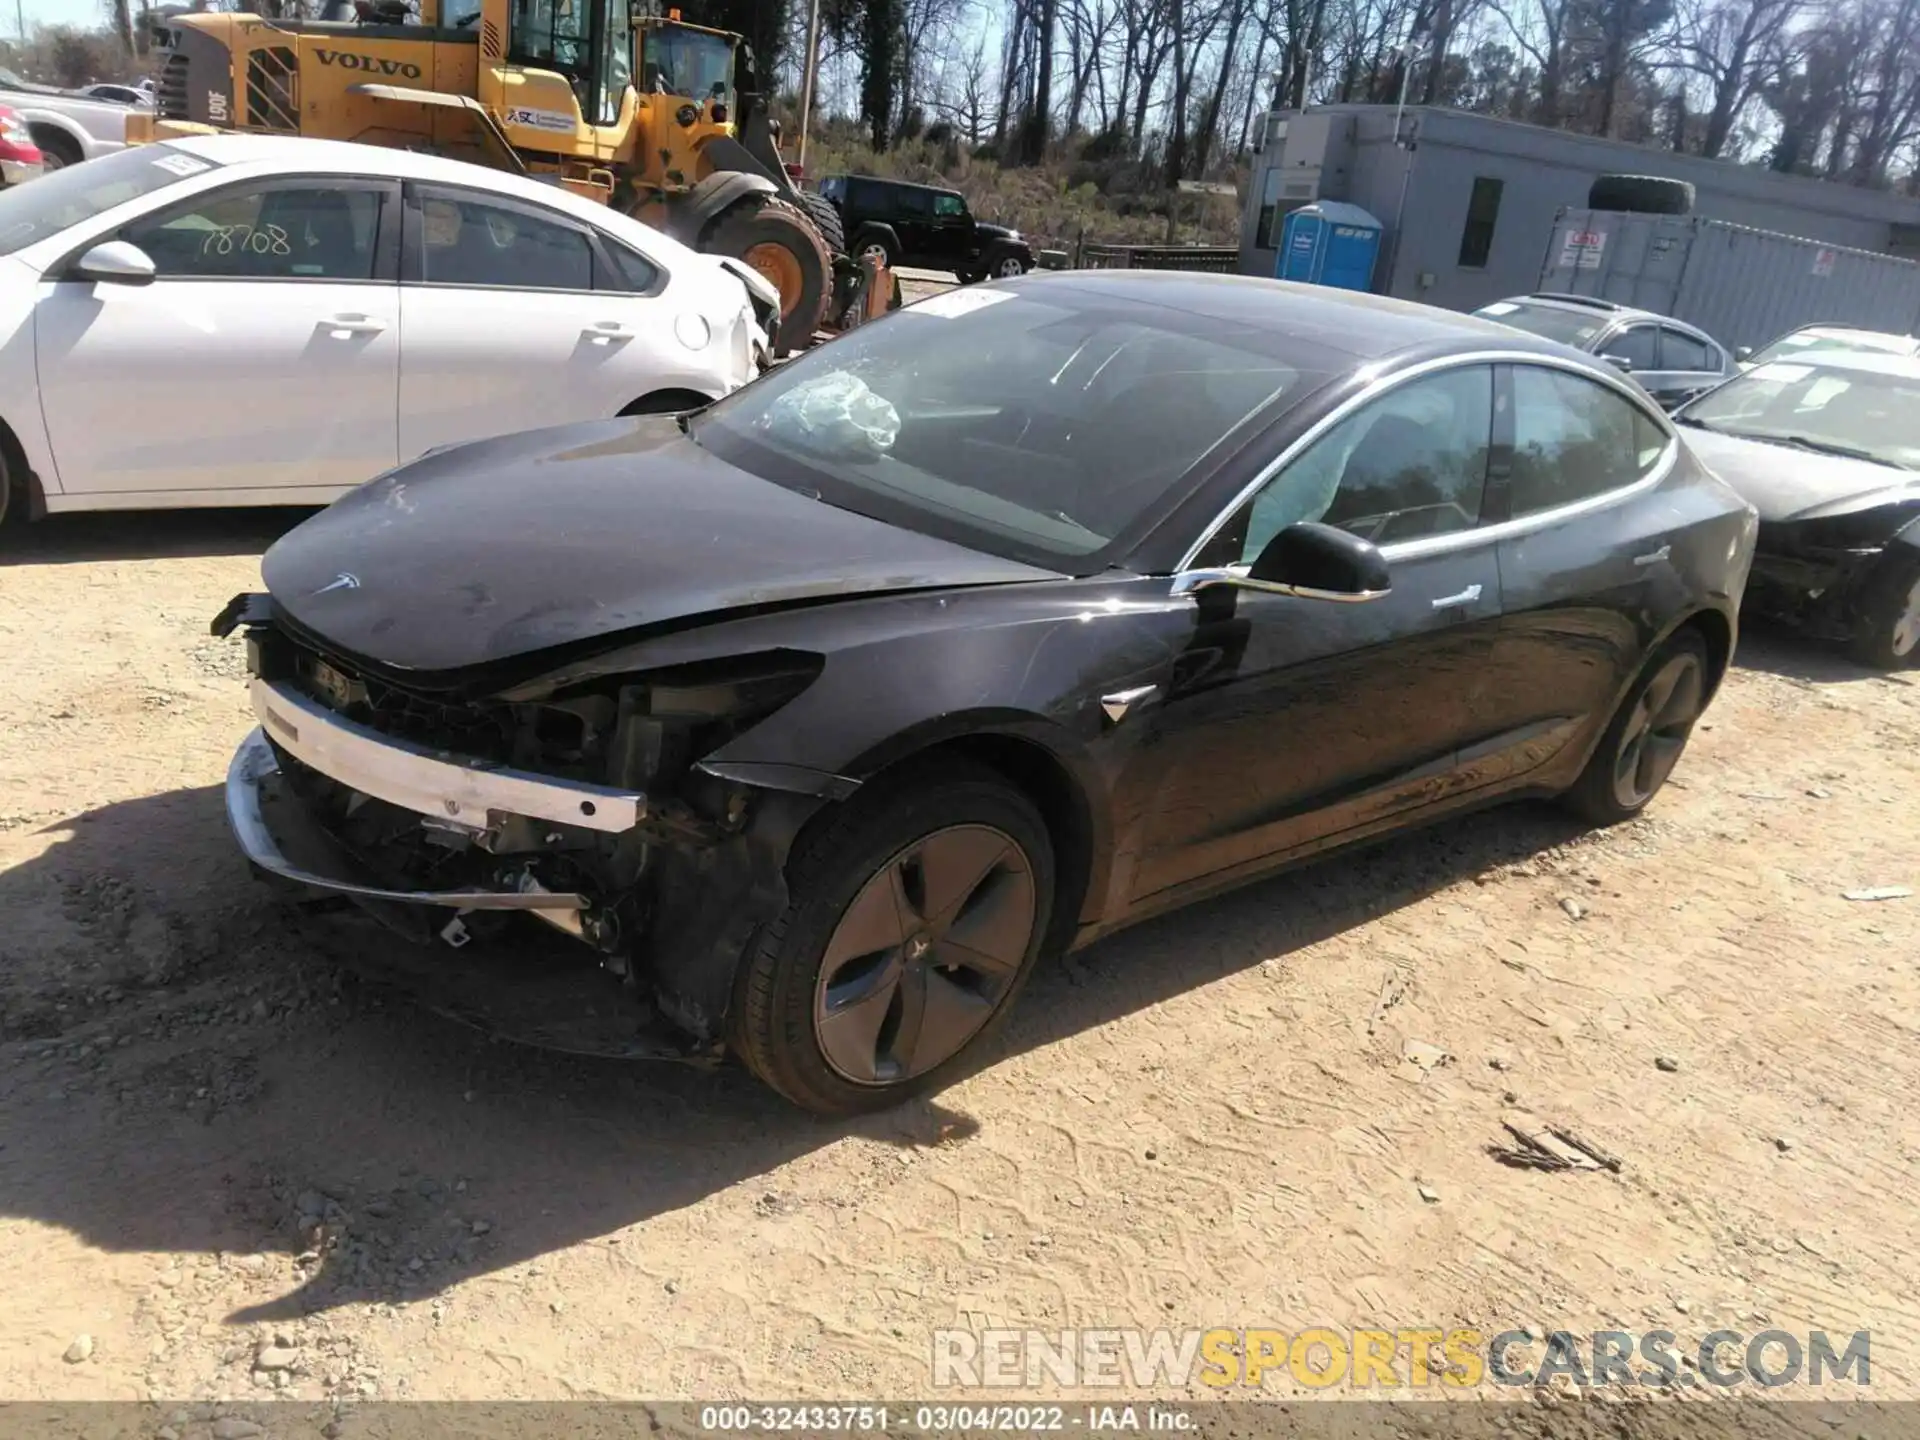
278,835
552,995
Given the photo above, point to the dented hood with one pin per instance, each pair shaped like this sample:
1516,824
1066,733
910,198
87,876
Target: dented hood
1786,484
484,552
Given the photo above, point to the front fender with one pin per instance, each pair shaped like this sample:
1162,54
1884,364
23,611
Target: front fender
689,215
1907,536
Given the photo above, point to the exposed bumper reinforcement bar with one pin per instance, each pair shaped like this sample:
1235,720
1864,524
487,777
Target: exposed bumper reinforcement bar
431,783
269,824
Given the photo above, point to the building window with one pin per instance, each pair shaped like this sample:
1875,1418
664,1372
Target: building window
1483,208
1263,236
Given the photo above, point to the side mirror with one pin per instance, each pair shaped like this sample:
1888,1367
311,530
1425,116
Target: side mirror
1743,353
114,263
1308,561
1620,363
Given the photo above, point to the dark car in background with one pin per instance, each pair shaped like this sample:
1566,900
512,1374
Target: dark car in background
811,721
1826,445
923,226
1671,361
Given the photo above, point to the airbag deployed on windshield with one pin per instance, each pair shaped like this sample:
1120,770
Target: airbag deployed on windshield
836,416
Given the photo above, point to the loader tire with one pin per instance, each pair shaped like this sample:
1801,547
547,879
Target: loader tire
1641,194
826,220
783,244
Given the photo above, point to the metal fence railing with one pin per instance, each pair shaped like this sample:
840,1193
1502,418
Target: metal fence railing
1211,259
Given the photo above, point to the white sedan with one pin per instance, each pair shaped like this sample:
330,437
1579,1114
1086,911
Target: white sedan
258,320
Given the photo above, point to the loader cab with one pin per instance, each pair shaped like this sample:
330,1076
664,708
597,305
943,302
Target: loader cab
589,42
690,62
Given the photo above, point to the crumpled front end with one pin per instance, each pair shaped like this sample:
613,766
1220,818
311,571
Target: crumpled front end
456,820
1812,569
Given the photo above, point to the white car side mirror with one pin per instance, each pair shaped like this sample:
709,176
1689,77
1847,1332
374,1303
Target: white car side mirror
115,263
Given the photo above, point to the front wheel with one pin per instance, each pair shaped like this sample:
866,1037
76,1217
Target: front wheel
783,245
915,915
1886,636
1647,735
1008,266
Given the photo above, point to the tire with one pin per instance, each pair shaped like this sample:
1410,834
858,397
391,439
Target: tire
782,243
57,150
826,220
872,241
13,499
1643,194
1886,634
1007,265
1660,710
828,1022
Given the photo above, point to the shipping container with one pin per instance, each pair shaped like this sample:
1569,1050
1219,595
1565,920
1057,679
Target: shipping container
1742,286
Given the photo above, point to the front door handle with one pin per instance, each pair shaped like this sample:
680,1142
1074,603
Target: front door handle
1655,557
1465,597
605,332
342,326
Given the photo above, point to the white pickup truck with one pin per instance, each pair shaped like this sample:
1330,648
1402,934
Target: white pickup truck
67,129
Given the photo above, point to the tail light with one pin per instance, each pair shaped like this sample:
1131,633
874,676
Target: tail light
16,139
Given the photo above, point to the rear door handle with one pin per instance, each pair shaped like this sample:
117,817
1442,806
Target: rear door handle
1465,597
341,326
605,332
1655,557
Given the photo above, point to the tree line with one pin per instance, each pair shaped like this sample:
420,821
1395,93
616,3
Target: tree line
1178,89
1829,88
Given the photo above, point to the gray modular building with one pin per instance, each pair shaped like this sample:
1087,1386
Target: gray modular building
1469,202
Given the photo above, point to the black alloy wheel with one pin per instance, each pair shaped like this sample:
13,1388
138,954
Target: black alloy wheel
915,914
1647,735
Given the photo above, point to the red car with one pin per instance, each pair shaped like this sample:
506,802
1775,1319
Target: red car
19,156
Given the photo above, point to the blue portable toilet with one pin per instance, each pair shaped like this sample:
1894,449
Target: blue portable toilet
1329,243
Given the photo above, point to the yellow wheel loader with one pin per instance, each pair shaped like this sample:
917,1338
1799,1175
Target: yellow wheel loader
607,98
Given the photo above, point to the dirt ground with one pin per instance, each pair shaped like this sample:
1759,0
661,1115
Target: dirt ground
1211,1120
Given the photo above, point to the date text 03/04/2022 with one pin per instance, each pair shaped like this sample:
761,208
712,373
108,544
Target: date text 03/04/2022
1094,1419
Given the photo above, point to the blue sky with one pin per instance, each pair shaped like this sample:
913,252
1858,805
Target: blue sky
46,12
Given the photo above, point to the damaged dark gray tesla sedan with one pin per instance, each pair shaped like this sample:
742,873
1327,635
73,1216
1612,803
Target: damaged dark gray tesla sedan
814,719
1826,446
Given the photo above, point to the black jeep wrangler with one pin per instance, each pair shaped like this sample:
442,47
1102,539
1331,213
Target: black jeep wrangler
921,226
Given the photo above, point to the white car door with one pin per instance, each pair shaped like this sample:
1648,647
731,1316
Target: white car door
516,316
262,360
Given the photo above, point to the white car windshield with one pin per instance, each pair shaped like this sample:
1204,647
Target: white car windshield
75,194
1859,413
1040,422
1806,342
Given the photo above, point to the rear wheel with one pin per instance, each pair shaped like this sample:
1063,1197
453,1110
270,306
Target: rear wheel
783,245
1886,635
57,150
914,918
1647,735
12,501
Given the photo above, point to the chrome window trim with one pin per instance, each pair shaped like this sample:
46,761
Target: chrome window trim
1438,544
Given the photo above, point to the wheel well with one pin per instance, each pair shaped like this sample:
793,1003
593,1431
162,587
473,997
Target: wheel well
1033,770
15,470
666,402
53,138
1717,631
